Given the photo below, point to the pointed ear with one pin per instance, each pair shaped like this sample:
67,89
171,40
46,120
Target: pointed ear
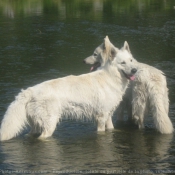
106,43
113,52
126,46
109,49
107,39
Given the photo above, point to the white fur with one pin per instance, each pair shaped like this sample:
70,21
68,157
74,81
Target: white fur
147,92
150,92
93,96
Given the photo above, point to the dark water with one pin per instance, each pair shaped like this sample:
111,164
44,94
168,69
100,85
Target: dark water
45,39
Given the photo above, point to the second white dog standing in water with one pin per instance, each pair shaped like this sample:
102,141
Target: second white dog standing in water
93,96
150,92
147,92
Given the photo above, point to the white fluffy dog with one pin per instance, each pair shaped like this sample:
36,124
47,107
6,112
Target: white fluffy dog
150,92
93,96
147,92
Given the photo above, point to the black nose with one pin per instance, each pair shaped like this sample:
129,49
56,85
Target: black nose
84,61
133,71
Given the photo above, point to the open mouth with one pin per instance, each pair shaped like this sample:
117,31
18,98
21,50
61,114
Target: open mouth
95,66
130,77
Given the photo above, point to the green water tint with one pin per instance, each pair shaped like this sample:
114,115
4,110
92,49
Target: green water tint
41,40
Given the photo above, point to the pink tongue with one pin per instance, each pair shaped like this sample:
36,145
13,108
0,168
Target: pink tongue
92,68
132,77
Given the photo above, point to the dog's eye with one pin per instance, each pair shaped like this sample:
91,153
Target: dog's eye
95,54
131,60
123,62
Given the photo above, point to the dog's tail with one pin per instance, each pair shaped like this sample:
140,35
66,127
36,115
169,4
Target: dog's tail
15,118
160,113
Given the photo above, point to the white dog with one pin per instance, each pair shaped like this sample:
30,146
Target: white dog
147,92
93,96
150,92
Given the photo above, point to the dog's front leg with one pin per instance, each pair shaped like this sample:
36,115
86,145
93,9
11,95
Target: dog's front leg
100,125
109,125
101,122
104,121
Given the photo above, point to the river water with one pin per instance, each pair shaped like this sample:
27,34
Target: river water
46,39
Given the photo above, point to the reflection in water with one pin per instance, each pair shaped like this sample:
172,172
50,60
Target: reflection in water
117,150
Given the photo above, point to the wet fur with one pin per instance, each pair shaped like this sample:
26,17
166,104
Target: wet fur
93,96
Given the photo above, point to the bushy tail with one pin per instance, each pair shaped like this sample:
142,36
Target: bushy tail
160,115
163,123
15,118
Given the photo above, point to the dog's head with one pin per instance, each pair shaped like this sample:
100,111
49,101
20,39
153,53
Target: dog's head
108,53
125,62
95,59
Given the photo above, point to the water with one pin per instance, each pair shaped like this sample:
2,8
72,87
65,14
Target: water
45,39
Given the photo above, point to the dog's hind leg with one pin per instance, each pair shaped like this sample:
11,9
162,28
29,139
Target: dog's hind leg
44,117
48,127
34,127
34,130
139,120
138,108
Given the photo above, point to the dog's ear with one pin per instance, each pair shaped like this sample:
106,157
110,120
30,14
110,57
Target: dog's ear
126,46
109,49
106,44
113,53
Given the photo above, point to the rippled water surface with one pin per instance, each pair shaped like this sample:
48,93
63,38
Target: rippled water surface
46,39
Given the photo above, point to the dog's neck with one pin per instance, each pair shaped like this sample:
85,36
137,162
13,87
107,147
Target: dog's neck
117,77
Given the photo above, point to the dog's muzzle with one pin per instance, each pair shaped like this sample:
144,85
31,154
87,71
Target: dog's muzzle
95,65
133,71
130,76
